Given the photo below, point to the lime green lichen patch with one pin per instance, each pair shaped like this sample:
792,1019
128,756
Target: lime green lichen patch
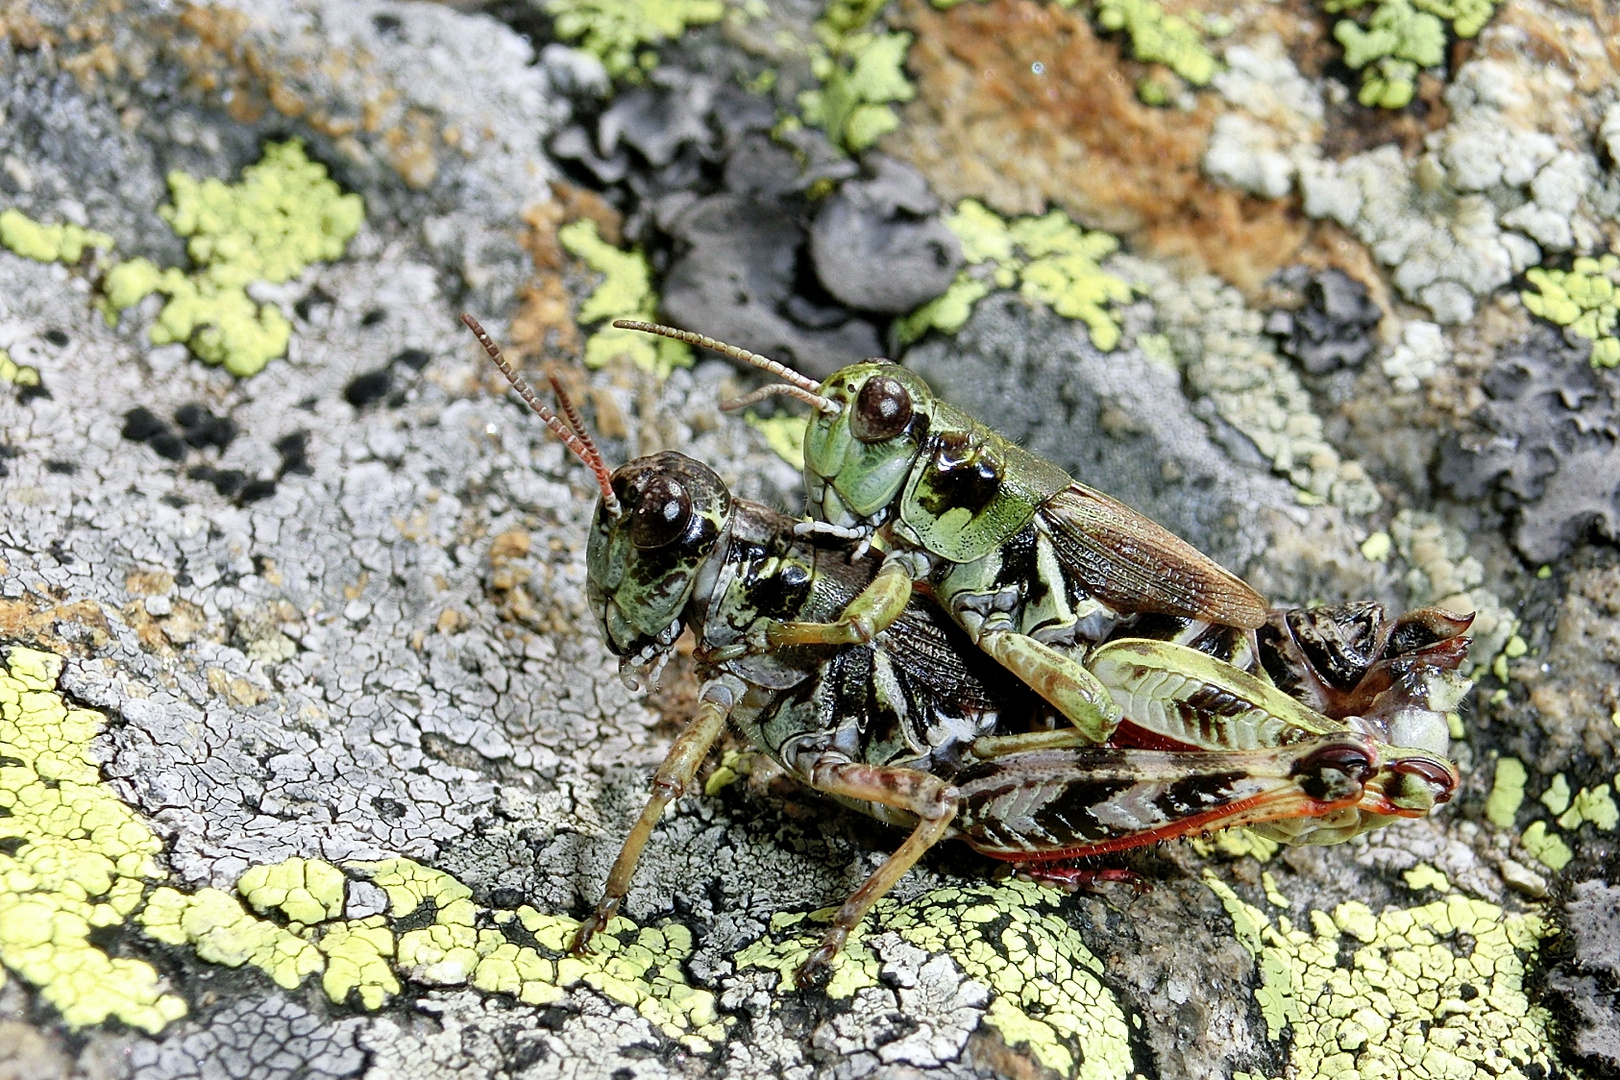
625,293
1236,843
1556,797
75,858
1594,805
1548,847
525,953
1045,982
1585,298
1423,876
1507,792
1159,38
1399,38
616,31
222,931
1435,991
48,243
304,890
283,216
862,76
17,374
1050,258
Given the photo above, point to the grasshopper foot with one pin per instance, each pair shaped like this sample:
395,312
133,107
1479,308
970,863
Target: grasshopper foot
817,968
594,924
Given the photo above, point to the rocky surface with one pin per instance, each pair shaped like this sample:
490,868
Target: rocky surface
310,753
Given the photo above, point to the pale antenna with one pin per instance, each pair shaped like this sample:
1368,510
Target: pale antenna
809,390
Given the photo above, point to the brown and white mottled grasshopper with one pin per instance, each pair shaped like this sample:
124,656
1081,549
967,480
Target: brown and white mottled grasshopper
916,727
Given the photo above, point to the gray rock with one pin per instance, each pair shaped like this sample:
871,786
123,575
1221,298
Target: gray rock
879,245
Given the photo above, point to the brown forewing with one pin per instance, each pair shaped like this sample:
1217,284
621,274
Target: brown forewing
1134,565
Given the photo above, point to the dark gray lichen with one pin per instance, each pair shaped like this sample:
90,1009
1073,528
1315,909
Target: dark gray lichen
1549,449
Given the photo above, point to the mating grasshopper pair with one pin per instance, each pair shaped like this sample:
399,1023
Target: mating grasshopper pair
905,720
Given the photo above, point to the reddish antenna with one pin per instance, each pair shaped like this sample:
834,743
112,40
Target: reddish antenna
572,433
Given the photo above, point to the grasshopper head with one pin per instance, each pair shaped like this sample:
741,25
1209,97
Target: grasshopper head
643,562
866,433
857,458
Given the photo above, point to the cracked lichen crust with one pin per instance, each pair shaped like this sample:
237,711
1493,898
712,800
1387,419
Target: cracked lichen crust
1051,259
1045,985
284,215
74,859
1487,197
1432,991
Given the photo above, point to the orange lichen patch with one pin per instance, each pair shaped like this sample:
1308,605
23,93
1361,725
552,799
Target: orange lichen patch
34,620
21,28
1021,105
149,583
544,322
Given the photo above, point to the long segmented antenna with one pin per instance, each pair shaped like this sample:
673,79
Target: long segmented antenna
773,390
582,448
810,389
575,421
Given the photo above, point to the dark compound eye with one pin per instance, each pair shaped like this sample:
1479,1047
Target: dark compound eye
882,410
663,513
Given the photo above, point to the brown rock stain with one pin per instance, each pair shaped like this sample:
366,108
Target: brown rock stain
986,126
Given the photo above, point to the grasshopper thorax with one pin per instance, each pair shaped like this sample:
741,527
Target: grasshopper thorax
857,458
645,561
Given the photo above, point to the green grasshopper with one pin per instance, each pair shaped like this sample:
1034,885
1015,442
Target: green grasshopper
916,727
1035,566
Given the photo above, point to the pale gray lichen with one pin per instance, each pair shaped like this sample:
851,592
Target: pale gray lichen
1484,201
1227,358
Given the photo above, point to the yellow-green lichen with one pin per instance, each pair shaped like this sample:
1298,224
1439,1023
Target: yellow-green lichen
1594,805
1548,847
1399,38
284,215
304,890
1436,990
1050,258
1556,797
222,931
48,243
1045,982
17,374
617,31
1507,792
861,74
625,293
1423,876
1585,298
1159,38
75,858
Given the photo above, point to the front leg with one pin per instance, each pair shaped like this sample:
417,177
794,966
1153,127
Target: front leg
866,616
931,799
669,783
